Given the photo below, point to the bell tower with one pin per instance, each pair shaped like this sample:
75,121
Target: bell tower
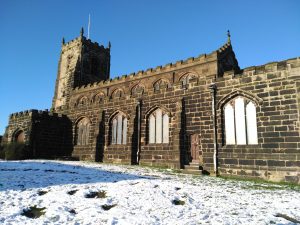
81,62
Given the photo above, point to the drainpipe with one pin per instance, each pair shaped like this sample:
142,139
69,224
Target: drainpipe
213,89
139,131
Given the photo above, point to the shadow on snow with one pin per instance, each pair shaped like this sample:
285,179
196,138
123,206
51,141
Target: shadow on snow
21,175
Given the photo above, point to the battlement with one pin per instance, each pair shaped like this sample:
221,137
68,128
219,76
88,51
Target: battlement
35,112
86,41
288,65
169,67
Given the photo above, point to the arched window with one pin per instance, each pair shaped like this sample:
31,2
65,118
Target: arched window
185,79
82,101
160,85
137,90
98,98
119,129
240,122
158,127
83,131
117,94
19,137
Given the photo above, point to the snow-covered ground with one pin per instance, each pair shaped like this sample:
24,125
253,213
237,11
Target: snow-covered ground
137,195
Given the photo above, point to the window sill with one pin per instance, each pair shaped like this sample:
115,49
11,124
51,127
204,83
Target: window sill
155,144
241,146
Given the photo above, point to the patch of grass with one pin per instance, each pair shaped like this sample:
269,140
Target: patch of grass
72,192
256,183
96,194
72,211
41,192
178,202
162,168
33,212
108,207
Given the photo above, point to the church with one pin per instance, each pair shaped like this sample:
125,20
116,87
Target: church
202,115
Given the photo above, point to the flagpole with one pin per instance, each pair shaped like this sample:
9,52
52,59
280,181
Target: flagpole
89,26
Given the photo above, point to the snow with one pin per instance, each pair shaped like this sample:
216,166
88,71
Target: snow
141,196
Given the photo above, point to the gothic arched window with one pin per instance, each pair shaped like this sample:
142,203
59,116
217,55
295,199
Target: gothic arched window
82,101
98,98
137,89
185,79
117,94
158,127
119,129
160,84
83,131
240,122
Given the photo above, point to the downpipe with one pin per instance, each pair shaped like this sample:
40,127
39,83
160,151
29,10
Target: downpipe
213,90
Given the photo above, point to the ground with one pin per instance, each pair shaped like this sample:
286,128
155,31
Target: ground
60,192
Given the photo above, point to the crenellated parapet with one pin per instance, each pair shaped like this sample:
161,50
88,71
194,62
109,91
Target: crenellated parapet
150,72
272,67
83,40
35,113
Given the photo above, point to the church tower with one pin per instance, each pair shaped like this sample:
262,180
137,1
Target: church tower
81,62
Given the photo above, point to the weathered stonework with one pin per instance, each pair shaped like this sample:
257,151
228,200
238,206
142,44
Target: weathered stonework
182,91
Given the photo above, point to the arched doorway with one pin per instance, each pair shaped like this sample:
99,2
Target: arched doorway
19,137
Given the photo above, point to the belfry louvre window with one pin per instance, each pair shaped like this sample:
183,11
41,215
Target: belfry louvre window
240,122
158,127
83,131
119,129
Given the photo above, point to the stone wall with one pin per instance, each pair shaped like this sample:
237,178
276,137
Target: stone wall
188,106
47,134
276,156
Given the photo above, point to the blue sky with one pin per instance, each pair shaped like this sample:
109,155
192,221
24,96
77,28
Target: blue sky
143,34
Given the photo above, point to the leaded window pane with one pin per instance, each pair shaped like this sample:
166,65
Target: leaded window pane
114,131
119,131
124,130
152,129
251,123
229,124
240,125
165,128
158,125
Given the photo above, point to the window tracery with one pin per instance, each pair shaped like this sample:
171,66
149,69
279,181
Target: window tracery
82,131
240,122
158,127
119,129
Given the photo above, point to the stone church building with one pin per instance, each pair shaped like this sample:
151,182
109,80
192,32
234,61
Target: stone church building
204,113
